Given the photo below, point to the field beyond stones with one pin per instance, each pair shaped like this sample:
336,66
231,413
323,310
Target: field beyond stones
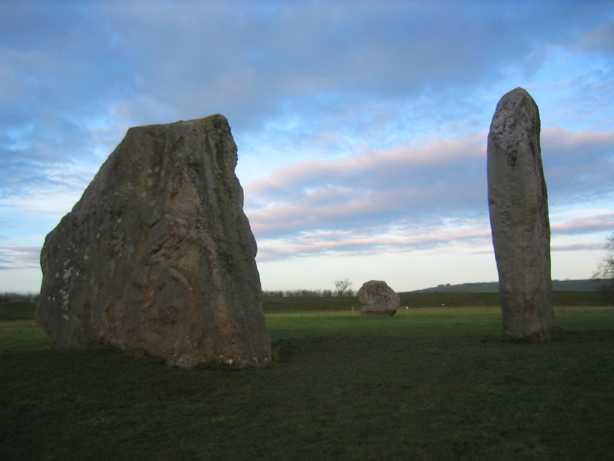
429,383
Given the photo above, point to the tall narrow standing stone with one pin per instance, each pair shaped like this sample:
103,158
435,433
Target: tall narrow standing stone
158,255
518,205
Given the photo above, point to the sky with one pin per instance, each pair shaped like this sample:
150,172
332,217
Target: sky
361,125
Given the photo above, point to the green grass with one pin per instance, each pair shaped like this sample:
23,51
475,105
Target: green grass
426,384
308,303
16,311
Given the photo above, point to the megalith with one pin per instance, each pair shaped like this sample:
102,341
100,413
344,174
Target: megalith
518,206
377,298
158,256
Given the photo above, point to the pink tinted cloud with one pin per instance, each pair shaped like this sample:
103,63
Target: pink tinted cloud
441,180
19,257
577,247
596,223
565,142
558,142
367,163
359,243
340,208
475,234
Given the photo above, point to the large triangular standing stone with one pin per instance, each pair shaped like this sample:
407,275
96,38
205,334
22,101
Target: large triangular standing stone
158,255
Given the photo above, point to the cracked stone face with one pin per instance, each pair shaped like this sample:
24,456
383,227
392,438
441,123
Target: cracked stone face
518,205
157,255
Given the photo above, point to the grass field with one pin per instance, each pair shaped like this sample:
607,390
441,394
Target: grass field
430,383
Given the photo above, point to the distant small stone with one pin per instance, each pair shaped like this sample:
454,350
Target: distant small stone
377,298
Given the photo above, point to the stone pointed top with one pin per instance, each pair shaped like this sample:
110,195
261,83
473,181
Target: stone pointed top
516,115
213,121
514,100
517,92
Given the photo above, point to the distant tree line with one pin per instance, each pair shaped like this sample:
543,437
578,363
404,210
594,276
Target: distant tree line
307,293
342,289
9,297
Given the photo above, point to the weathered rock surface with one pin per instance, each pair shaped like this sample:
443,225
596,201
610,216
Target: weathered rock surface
518,205
158,256
376,297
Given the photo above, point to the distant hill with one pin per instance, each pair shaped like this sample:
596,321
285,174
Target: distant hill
493,287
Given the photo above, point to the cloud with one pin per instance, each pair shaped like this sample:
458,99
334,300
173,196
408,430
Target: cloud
371,167
472,235
369,241
19,257
54,195
253,61
366,85
74,77
428,183
369,189
410,198
596,223
599,39
577,247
